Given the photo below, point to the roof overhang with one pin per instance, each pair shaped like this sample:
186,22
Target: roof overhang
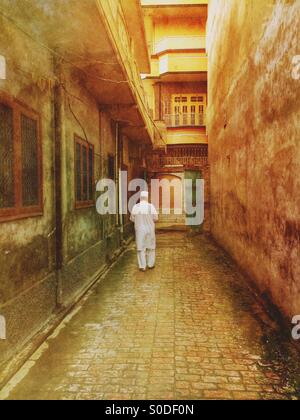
181,77
135,19
79,35
160,10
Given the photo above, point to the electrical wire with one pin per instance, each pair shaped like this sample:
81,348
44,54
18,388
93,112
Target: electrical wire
57,54
72,64
75,116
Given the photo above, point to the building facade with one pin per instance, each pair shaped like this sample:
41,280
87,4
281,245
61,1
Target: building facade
177,92
72,110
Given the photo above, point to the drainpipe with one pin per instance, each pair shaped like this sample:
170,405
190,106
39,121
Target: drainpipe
117,174
121,186
160,102
58,138
118,161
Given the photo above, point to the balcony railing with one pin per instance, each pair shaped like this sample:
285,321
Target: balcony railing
185,120
185,155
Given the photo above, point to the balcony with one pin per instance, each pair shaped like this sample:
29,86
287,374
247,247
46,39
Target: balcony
175,155
173,43
179,67
182,63
185,120
156,3
128,103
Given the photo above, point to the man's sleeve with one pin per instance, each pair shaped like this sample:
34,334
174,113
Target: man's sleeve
154,213
132,216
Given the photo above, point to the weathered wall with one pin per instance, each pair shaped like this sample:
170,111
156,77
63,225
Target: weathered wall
82,229
83,246
62,87
30,287
254,136
27,256
178,27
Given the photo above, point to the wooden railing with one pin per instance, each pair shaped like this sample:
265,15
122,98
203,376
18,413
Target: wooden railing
185,120
179,155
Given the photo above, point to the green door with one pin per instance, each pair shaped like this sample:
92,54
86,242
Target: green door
194,199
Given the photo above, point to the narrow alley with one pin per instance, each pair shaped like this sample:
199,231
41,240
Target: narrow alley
190,329
123,118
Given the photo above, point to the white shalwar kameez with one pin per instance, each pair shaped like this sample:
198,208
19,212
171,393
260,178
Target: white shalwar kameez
144,216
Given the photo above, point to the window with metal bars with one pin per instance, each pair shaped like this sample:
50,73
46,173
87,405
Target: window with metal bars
21,161
84,173
111,167
7,190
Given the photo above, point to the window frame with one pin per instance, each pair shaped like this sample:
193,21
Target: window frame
84,204
191,103
111,165
19,211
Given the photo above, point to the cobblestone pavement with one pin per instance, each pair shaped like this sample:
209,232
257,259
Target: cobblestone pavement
190,329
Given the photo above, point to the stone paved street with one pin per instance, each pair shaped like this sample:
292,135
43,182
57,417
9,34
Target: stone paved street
190,329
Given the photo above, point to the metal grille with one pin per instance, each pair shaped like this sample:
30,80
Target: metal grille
84,174
91,173
84,167
30,163
78,172
111,167
7,195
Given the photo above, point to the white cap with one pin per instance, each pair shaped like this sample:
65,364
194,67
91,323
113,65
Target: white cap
145,194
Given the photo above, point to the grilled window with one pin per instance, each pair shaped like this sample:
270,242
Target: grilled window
91,172
187,110
111,167
84,173
7,191
21,161
30,171
183,99
197,99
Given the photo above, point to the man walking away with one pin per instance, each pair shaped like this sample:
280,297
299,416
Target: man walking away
144,216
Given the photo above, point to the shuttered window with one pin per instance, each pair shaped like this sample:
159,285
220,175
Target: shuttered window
21,161
7,190
84,173
111,167
30,170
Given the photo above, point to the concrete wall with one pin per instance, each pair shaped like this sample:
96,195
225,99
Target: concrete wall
254,136
27,256
85,233
178,33
31,290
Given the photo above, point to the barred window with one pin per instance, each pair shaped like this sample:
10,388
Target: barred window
30,172
111,167
21,161
7,191
84,173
